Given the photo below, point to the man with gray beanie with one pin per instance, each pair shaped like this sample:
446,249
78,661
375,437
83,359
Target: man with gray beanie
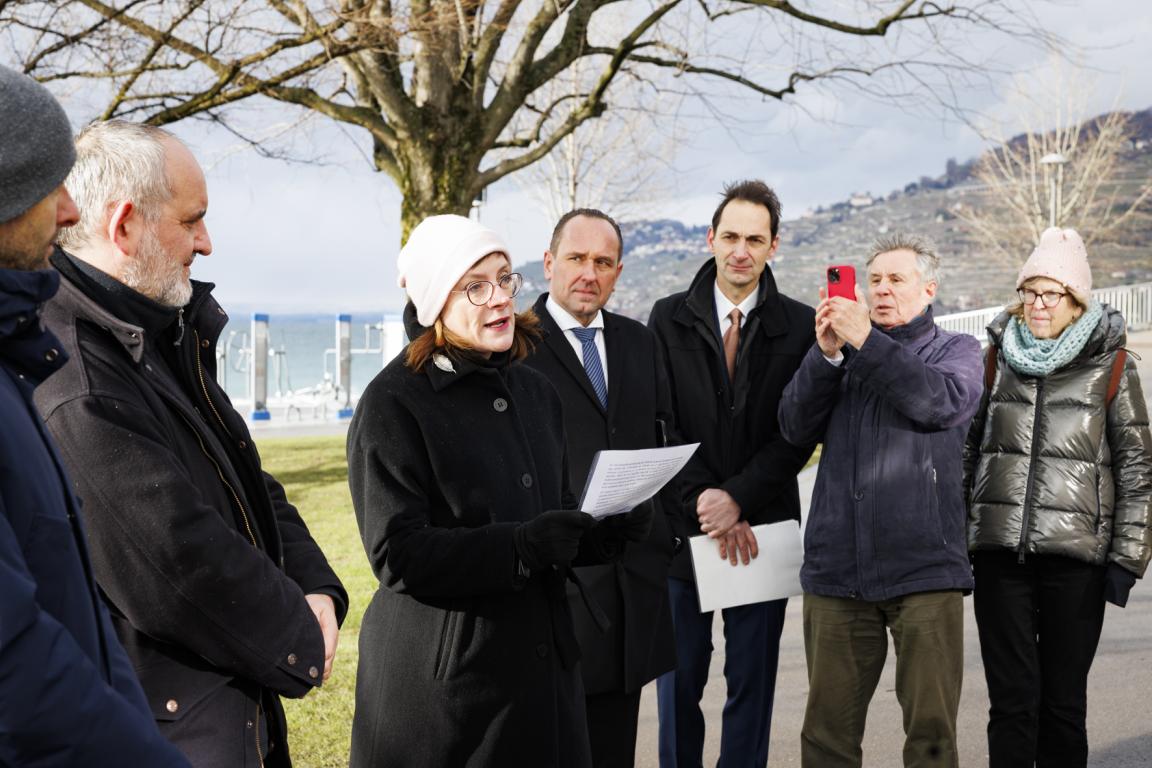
68,695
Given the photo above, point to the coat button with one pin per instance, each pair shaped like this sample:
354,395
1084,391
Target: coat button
542,650
249,725
859,495
526,480
291,659
205,343
172,705
500,405
313,672
51,354
243,444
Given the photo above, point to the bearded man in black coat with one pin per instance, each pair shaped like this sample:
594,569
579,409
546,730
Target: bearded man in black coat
615,396
220,595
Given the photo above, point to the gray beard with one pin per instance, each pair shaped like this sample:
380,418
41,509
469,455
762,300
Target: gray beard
156,275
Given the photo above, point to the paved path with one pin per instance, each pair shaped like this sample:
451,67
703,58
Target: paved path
1119,691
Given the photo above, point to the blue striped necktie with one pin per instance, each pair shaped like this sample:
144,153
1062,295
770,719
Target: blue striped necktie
592,366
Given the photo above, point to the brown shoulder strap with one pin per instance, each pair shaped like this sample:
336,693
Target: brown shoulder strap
990,367
1117,372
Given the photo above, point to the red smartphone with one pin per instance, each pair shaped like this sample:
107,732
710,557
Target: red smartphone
842,282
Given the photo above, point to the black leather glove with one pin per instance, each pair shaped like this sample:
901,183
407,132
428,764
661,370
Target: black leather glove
634,525
1118,582
552,538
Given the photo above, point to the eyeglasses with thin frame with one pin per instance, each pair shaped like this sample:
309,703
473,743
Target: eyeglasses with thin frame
479,292
1048,298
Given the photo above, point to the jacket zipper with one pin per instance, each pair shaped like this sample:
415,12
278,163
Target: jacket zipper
235,496
1023,545
220,474
259,751
212,406
1099,511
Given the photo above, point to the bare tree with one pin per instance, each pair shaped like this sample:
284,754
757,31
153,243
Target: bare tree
621,166
1065,169
454,93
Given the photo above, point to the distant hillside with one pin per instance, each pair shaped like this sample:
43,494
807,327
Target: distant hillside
662,256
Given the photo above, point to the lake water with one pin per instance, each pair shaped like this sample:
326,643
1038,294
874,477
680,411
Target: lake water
297,344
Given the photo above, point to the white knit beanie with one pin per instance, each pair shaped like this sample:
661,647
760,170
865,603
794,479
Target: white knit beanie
440,250
1060,256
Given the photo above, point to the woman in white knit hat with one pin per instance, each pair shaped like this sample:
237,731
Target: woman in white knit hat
456,464
1058,472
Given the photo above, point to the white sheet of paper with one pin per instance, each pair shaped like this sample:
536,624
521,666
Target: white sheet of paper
773,574
619,480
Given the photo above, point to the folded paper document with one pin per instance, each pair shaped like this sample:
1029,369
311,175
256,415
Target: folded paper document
771,575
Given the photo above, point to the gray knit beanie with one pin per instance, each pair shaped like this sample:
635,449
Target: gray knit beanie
36,151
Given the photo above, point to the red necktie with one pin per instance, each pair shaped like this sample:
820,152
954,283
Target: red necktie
732,343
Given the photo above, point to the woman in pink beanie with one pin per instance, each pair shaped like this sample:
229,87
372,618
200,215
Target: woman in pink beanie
1058,474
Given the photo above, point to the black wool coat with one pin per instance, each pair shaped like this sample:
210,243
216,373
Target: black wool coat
203,562
633,591
741,448
463,662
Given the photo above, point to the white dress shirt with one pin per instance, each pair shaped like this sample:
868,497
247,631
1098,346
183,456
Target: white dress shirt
567,323
725,307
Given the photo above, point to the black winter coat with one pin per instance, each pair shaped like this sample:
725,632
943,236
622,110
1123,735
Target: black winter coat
203,562
741,448
633,591
68,696
462,661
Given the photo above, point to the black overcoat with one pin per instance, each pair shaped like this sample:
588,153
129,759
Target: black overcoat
203,562
633,591
462,661
741,448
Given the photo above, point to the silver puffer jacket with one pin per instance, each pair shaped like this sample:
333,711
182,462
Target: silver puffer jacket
1049,468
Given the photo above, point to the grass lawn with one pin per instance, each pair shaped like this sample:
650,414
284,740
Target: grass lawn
315,474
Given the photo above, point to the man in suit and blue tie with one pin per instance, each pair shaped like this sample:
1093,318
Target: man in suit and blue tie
611,381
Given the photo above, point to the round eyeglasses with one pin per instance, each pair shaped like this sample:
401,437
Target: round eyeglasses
1048,298
479,292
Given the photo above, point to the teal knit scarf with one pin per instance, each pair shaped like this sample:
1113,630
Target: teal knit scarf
1039,357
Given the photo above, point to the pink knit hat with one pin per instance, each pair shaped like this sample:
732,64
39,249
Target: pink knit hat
1061,256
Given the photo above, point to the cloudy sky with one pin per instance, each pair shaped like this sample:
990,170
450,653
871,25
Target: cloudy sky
293,237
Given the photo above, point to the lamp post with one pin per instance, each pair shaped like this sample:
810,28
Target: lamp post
1055,183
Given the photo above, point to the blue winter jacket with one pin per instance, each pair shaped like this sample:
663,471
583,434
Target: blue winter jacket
68,695
887,516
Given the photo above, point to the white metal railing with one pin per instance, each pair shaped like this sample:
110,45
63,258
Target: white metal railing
1133,301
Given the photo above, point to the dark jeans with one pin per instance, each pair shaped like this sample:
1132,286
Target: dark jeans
1039,624
846,645
751,649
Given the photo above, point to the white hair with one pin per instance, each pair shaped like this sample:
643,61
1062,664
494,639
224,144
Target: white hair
927,262
115,161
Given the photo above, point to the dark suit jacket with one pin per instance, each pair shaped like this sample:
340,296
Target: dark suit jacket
741,449
633,591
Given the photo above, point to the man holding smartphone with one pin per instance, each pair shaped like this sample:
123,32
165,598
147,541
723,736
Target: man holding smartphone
890,396
731,343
